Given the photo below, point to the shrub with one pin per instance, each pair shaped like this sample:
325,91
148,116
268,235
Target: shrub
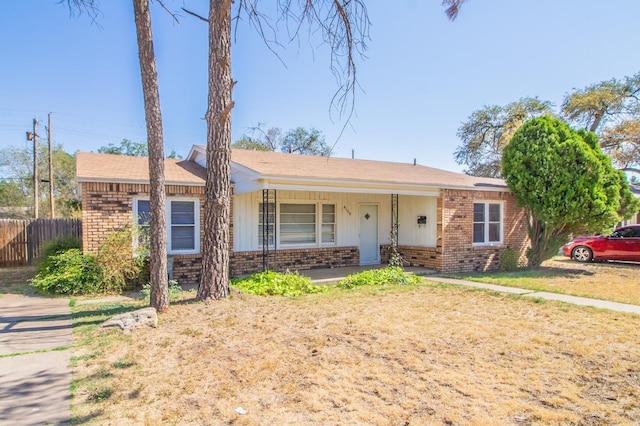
509,260
68,272
275,283
122,267
57,246
392,275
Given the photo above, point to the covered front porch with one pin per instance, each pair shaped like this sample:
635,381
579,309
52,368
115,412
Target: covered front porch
289,229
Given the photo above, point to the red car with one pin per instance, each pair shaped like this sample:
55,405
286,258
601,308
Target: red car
622,244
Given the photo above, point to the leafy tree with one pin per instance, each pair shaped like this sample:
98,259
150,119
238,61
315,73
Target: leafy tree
126,147
134,149
298,140
489,129
260,139
564,182
303,141
16,190
611,109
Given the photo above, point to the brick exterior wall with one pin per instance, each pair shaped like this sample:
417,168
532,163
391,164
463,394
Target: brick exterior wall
107,207
295,259
455,240
424,257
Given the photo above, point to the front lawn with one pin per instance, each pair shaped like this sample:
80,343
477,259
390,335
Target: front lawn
416,354
618,282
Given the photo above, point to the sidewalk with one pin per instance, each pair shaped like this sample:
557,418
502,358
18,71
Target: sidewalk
574,300
35,380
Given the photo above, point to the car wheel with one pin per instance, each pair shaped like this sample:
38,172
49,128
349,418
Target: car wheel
582,254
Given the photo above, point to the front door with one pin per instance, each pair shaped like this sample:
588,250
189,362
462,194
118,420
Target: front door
369,247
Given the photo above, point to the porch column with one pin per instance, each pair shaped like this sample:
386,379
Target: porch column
269,252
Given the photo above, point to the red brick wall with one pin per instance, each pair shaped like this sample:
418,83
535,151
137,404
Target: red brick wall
108,207
295,259
458,253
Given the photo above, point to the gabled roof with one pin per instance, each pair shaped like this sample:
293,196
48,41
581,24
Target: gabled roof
92,167
281,167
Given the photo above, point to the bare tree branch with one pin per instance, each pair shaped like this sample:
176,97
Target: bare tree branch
173,15
195,14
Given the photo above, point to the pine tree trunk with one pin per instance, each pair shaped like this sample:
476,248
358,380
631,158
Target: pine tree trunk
214,280
159,297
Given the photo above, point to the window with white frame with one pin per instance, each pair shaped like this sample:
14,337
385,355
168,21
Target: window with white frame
487,223
183,224
301,224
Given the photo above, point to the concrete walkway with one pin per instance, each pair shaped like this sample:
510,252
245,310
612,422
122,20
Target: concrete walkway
35,342
574,300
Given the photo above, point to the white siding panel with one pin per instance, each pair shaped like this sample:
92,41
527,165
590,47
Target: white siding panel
246,206
409,232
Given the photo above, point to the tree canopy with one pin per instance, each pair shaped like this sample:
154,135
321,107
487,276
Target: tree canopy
299,141
489,129
610,108
131,148
16,189
565,183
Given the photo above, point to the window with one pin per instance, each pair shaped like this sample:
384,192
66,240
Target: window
487,223
144,216
183,224
299,224
328,223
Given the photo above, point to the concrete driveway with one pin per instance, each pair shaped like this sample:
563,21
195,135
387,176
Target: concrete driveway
35,342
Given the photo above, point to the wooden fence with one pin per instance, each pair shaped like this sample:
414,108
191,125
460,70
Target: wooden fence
21,241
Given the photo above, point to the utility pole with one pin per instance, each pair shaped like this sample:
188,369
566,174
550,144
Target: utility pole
51,203
33,136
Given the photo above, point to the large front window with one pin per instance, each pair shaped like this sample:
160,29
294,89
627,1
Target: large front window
183,224
299,224
487,223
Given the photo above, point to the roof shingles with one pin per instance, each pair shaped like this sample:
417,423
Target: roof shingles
91,167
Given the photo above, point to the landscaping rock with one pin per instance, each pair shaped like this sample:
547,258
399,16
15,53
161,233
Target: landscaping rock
130,320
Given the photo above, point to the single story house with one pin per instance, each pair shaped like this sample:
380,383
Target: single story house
292,211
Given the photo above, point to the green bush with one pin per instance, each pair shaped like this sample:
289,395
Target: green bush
393,275
271,283
122,268
68,272
509,260
57,246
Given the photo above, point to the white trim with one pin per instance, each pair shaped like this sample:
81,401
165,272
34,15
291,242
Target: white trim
488,243
169,225
257,186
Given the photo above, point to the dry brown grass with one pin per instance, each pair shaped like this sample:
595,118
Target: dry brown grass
412,355
618,282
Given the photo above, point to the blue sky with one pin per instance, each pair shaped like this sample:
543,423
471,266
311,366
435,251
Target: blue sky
423,75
